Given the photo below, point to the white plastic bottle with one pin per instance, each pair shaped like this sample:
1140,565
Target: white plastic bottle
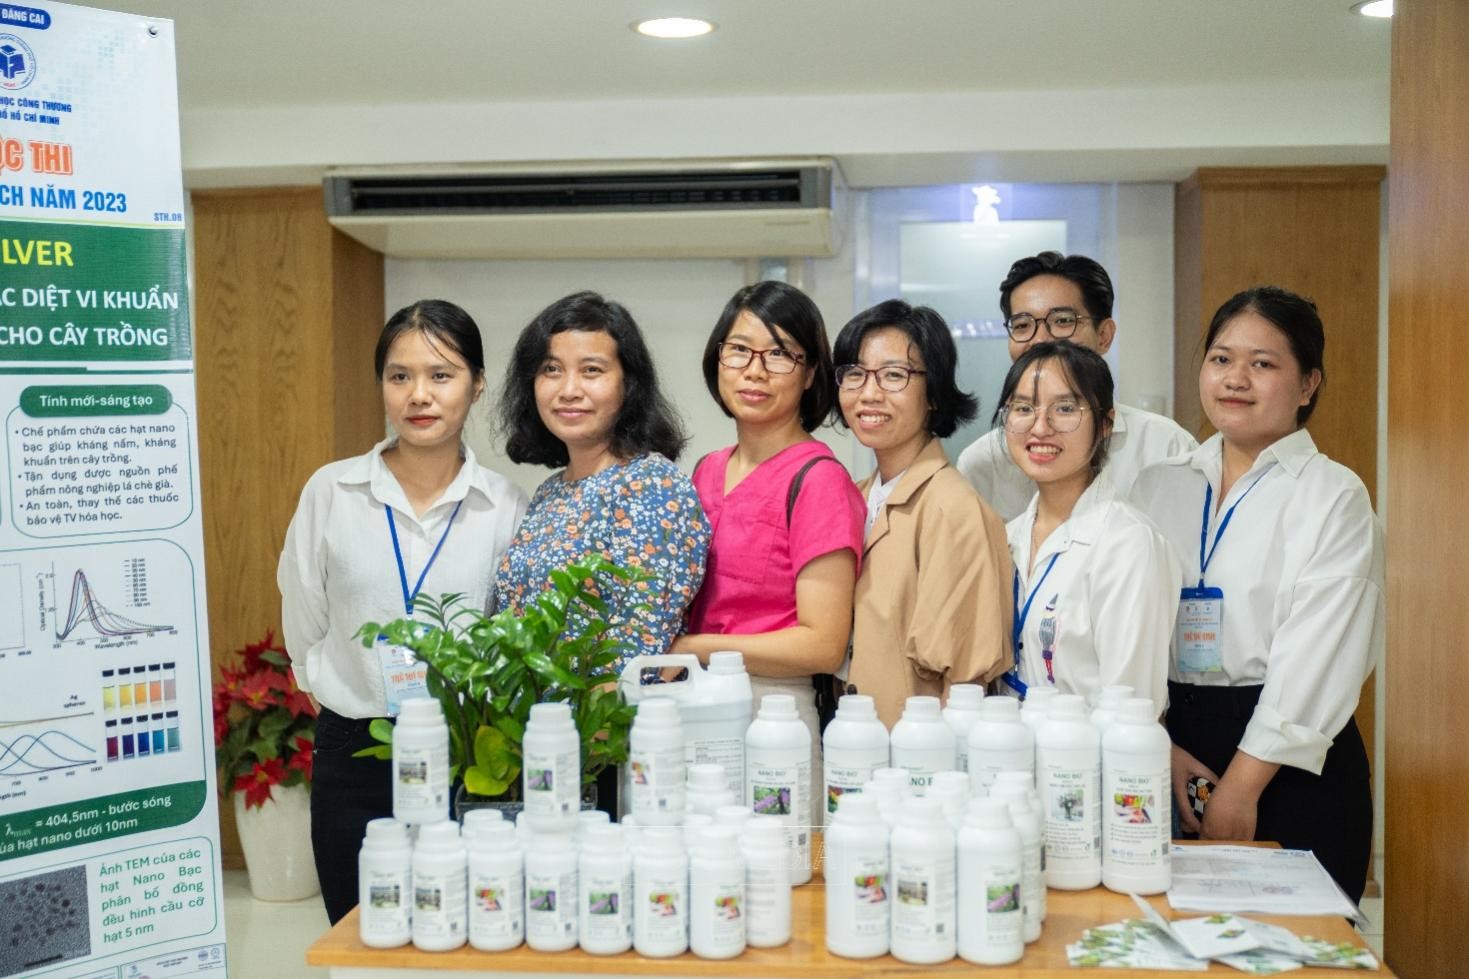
586,819
923,865
1108,701
736,816
778,775
551,769
999,741
728,703
440,907
550,891
1032,856
990,879
1138,805
1069,776
632,835
854,745
385,885
953,791
604,887
694,824
475,819
1037,702
496,887
661,894
961,711
890,787
922,742
717,894
767,882
421,763
656,757
859,895
708,789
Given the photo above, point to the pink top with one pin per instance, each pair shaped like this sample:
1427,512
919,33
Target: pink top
754,558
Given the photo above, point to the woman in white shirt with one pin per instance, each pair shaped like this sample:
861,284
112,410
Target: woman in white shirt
1282,611
416,514
1094,580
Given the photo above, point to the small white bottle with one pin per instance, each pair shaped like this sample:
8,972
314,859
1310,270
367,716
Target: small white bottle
708,789
778,775
385,885
859,895
767,882
736,816
496,886
952,789
923,918
1037,703
632,835
890,787
717,894
854,745
1069,776
922,742
588,818
604,886
656,757
1032,853
1108,701
961,711
551,769
475,819
523,831
999,741
440,907
1138,818
694,824
550,891
421,763
661,894
991,919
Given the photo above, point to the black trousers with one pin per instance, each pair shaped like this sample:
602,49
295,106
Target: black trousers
1329,814
346,793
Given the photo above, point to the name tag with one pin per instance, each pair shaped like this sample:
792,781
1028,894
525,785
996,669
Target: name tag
1200,630
405,676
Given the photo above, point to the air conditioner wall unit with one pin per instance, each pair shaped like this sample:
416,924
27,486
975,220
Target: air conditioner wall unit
632,209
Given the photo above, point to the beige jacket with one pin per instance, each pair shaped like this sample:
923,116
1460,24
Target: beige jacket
933,604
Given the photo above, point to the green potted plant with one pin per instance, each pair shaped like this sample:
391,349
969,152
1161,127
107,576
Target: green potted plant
487,671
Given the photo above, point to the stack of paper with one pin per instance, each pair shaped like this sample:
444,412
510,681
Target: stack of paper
1249,878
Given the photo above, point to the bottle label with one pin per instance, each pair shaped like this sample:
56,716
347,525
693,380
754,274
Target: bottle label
553,784
550,906
727,917
438,906
1003,912
924,909
1032,879
767,901
657,781
496,911
423,778
841,779
1139,818
729,752
784,791
661,915
961,755
870,898
1073,818
385,907
607,912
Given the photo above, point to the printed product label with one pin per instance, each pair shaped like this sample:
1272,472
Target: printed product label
1033,879
1002,904
422,778
438,906
764,888
550,903
728,917
841,779
657,781
961,755
607,912
784,791
924,909
870,898
661,912
1139,817
553,784
386,907
729,752
495,907
1073,819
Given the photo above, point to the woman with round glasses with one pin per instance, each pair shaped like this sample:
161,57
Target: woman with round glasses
1282,614
1094,581
932,605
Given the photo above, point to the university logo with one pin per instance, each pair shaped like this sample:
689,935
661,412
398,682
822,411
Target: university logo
17,63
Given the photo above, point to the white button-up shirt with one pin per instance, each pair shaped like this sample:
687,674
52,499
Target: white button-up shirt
1302,569
1139,439
338,570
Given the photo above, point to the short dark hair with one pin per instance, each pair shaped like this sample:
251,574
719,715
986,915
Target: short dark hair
1087,374
1086,273
645,423
439,320
777,304
1293,315
948,407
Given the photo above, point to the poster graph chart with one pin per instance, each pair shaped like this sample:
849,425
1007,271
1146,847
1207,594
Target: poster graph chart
49,751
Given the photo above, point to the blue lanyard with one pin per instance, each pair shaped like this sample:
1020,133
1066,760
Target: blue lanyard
1021,614
408,597
1204,558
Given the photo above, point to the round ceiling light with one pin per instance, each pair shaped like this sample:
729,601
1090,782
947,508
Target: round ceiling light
1373,8
673,27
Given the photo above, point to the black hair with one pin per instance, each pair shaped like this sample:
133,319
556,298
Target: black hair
1293,315
441,321
776,304
1086,273
948,407
645,423
1088,376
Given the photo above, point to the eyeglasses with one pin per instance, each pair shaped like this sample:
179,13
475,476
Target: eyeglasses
1060,324
1062,416
853,377
776,360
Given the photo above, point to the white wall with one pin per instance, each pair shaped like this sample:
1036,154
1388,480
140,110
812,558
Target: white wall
1140,259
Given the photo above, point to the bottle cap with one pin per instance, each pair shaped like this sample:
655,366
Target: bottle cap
386,832
726,662
555,714
440,836
599,837
554,841
587,818
707,778
494,836
966,696
856,707
921,811
959,780
420,710
716,841
1069,706
1113,695
477,818
1040,699
857,807
777,707
921,708
1137,710
660,712
989,814
765,831
999,708
733,815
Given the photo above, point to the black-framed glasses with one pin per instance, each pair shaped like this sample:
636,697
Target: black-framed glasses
893,378
776,360
1062,416
1060,324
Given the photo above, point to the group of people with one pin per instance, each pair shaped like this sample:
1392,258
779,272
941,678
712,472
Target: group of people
1059,551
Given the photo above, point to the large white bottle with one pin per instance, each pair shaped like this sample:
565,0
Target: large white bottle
1069,776
961,711
421,763
922,742
496,886
1108,702
1138,819
551,919
859,895
385,885
767,882
855,744
656,757
923,868
440,908
551,769
999,742
717,894
604,890
661,893
990,886
1032,829
778,775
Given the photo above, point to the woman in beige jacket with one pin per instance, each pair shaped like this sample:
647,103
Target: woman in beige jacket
932,603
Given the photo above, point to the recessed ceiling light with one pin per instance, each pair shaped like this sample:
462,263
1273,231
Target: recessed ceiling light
673,27
1373,8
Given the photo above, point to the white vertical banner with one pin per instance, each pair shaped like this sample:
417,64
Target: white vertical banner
109,830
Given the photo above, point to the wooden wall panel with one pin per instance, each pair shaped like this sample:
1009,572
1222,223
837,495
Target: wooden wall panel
1427,867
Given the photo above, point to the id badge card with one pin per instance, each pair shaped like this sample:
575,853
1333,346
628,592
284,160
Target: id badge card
1200,630
405,676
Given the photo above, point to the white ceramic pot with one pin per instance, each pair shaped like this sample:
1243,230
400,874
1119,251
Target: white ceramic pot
276,838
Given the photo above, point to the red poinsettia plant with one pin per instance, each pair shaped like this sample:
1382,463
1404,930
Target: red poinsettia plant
264,726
